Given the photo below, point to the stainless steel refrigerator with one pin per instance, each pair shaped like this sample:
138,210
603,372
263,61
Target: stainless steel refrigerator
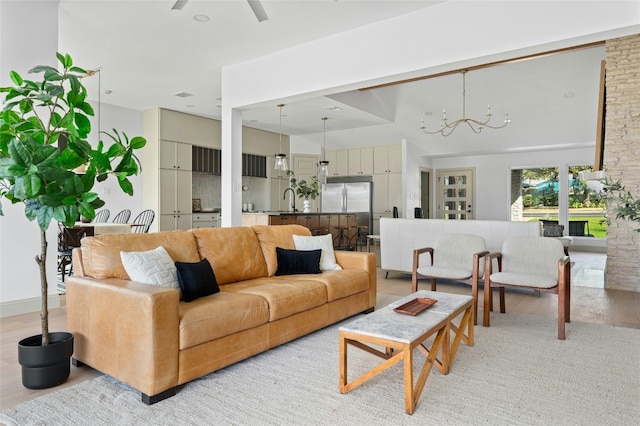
349,198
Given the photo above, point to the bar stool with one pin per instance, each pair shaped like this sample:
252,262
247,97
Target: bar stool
342,241
360,236
319,231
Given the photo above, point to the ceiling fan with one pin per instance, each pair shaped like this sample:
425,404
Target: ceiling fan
255,5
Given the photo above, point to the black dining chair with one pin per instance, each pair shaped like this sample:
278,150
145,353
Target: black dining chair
68,239
102,216
122,216
143,221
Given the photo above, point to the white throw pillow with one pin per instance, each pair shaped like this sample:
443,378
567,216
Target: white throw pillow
324,242
151,267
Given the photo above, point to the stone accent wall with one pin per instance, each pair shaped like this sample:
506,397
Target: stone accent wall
622,156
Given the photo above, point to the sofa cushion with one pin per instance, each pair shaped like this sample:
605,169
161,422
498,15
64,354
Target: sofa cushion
323,242
101,254
285,297
339,284
220,315
151,267
196,279
234,253
298,261
274,236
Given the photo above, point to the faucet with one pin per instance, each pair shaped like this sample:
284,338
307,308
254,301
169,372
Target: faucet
293,198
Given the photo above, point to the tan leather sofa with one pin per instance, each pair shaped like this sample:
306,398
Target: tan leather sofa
144,336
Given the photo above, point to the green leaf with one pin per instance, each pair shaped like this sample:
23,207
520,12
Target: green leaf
27,186
126,186
18,153
138,142
86,108
69,200
89,197
42,68
84,125
124,163
74,185
44,215
15,78
86,210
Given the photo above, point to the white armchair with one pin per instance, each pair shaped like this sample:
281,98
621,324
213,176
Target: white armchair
537,263
454,257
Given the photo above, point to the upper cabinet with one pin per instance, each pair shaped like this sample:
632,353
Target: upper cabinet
187,128
338,162
175,155
360,161
387,159
206,160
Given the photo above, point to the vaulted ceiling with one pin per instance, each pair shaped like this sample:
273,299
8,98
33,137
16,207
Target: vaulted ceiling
149,53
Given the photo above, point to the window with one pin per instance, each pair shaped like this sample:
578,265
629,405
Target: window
534,194
587,205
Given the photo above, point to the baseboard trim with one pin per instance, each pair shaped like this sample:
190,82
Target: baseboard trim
25,306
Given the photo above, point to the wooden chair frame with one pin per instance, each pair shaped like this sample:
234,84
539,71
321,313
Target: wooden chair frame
472,280
563,290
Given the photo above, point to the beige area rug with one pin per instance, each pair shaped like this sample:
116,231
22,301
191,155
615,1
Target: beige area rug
517,373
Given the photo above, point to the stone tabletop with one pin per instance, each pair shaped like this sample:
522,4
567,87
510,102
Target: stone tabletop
388,324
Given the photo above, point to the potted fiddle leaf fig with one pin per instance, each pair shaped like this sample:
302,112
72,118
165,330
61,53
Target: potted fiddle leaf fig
44,127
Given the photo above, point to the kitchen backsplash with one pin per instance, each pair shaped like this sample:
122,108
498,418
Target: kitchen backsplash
207,188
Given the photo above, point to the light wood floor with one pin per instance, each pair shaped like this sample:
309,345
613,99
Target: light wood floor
590,303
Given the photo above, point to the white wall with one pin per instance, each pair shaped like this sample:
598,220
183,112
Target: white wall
19,238
493,174
124,121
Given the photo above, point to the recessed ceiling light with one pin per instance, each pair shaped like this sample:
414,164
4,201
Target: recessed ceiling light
334,108
569,95
428,113
201,18
191,106
183,95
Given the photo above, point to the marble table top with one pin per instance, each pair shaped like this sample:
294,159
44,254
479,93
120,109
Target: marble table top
387,324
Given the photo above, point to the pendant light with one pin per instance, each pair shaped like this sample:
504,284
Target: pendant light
281,158
324,164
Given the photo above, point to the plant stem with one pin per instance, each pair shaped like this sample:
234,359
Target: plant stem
44,286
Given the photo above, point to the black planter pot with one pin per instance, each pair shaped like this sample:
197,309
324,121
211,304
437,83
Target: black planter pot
45,366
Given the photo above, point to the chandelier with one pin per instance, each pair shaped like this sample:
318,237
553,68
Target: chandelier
446,127
281,158
324,163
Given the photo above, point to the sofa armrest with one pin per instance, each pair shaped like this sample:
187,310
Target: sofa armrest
364,261
126,329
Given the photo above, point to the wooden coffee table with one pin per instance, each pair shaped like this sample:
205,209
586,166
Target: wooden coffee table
399,334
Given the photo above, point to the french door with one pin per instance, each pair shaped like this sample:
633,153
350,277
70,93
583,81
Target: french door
455,194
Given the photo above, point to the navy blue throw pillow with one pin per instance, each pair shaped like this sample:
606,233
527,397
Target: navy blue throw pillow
298,261
196,279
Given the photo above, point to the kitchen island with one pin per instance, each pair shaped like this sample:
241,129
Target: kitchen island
342,226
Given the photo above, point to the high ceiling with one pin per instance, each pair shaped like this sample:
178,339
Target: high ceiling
149,53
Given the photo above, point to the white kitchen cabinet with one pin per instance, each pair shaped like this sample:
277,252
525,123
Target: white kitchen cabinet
205,220
338,162
360,161
175,199
175,155
387,159
387,192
